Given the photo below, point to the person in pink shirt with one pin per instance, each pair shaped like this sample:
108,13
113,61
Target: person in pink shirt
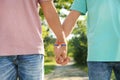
21,43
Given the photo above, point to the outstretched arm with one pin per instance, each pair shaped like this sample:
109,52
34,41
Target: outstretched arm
70,21
52,18
54,23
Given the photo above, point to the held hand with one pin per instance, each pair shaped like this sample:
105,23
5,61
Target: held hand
60,51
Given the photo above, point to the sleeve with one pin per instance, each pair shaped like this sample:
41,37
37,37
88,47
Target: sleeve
80,6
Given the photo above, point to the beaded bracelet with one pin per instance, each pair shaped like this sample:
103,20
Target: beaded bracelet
62,44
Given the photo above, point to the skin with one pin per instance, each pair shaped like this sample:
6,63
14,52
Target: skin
68,26
52,18
60,32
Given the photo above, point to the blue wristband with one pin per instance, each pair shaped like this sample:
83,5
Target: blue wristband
56,45
60,45
63,44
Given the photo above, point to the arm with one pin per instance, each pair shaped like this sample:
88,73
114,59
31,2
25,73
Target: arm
53,19
70,21
54,23
68,26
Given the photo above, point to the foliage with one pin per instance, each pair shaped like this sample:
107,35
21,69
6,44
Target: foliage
49,67
59,4
48,42
79,43
45,31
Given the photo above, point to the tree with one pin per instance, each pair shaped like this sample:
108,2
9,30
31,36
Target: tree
79,43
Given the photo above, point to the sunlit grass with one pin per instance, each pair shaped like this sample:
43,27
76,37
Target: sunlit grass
113,76
49,66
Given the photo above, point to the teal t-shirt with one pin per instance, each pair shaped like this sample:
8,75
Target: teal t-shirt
103,28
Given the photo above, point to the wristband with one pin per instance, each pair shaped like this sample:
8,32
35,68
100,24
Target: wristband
56,45
63,44
60,45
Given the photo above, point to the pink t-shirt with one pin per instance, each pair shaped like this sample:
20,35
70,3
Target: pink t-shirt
20,28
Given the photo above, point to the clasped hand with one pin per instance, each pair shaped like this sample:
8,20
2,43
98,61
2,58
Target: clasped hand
61,54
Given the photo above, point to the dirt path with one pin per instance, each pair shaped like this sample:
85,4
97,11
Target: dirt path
67,72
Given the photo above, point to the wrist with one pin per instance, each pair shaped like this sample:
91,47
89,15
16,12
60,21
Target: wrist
61,38
58,43
61,41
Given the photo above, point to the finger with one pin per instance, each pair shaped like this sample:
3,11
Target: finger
57,52
64,54
65,61
58,55
59,60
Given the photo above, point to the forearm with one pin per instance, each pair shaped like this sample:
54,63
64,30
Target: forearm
69,22
53,19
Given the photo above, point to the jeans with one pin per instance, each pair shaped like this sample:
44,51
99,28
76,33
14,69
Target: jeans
103,70
24,67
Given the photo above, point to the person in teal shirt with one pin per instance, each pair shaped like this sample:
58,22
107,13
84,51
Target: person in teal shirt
103,34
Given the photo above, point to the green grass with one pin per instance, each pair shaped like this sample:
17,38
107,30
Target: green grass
113,76
82,67
49,66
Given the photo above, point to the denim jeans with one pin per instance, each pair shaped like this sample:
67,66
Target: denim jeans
103,70
24,67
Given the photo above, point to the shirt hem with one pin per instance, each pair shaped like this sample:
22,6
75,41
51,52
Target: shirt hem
21,53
